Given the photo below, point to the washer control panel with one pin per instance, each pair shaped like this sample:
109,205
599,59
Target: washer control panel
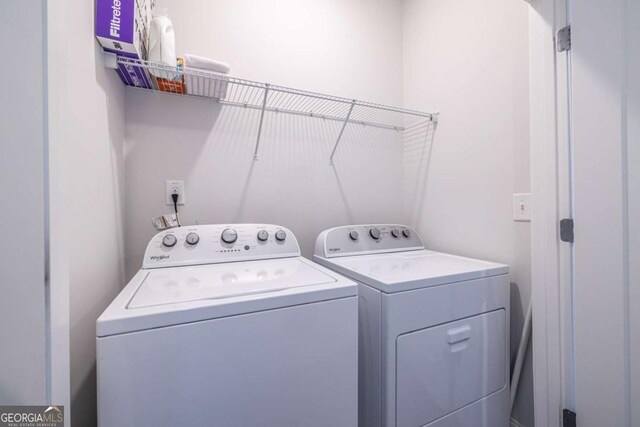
366,239
212,244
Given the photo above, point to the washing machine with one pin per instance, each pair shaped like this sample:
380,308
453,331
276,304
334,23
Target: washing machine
433,329
228,326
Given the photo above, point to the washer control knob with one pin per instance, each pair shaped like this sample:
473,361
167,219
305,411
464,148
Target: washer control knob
193,238
263,235
353,234
395,232
406,233
374,233
281,235
169,240
229,235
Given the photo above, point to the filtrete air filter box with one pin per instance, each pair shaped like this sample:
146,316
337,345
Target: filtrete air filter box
122,27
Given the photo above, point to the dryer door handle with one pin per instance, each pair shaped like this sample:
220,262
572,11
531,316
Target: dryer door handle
457,335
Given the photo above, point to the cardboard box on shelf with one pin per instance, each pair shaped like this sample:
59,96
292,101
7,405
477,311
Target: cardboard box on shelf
122,27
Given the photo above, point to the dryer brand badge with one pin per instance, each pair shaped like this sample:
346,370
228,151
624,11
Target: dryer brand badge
334,249
31,416
158,257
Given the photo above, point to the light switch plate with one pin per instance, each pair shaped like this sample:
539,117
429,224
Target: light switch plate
172,187
522,207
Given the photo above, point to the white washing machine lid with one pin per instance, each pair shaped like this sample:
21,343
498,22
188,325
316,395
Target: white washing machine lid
176,295
407,270
217,281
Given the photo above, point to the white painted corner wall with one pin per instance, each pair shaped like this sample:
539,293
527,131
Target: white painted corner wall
470,60
87,162
345,48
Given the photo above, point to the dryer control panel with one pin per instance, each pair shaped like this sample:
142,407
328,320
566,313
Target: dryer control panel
212,244
366,239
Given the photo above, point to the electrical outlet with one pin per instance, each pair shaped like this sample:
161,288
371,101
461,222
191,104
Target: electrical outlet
522,207
175,187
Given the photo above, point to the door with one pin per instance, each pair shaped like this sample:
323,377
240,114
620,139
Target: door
23,354
605,129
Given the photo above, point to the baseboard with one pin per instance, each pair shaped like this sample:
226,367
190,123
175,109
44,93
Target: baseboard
516,423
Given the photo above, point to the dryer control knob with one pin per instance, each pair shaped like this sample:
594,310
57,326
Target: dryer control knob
229,235
263,235
169,240
353,234
281,235
374,233
406,233
193,238
395,232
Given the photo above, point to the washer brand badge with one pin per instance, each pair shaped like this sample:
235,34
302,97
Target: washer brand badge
158,257
334,249
31,416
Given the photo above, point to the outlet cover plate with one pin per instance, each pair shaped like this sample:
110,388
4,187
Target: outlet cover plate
522,207
175,186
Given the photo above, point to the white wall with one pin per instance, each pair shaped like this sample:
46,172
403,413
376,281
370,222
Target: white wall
88,142
22,216
469,59
347,48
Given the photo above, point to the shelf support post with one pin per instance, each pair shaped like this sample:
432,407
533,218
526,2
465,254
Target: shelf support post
344,125
264,107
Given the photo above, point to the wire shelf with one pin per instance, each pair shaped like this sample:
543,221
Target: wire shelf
265,97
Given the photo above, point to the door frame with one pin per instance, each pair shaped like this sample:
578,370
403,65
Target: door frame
57,283
551,259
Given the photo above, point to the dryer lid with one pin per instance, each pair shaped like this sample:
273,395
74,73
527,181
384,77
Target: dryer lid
401,271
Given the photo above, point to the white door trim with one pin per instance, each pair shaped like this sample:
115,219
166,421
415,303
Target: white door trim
59,387
550,267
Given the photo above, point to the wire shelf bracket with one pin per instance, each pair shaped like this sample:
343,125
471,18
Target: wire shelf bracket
265,97
344,125
264,106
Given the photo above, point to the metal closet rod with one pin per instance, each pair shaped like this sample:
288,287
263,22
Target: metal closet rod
256,95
